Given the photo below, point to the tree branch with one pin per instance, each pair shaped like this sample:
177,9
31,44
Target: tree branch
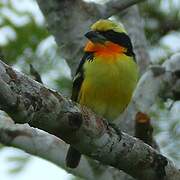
115,6
30,102
51,148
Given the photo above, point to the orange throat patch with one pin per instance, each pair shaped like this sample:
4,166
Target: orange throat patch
106,49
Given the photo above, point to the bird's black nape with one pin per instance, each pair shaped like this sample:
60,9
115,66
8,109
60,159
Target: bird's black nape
120,38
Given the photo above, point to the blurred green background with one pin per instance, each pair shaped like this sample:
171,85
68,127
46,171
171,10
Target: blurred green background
24,40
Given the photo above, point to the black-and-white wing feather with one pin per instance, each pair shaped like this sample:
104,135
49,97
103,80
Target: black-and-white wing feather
79,76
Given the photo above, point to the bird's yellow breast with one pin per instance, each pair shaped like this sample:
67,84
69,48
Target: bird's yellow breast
108,84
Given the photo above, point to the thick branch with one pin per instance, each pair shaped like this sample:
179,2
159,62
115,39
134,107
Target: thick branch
51,148
28,101
115,6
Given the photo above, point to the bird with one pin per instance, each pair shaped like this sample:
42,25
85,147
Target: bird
106,76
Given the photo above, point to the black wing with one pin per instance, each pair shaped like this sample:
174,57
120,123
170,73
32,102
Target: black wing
79,76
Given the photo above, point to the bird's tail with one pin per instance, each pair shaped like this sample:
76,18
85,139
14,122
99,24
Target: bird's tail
73,157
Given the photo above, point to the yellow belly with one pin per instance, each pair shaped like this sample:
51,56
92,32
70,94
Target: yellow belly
108,85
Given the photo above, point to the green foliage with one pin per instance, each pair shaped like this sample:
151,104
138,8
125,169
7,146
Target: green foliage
1,146
27,39
19,161
31,43
162,25
161,17
65,85
27,35
76,178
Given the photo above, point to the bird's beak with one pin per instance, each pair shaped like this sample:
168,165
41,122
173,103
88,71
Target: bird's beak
95,37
